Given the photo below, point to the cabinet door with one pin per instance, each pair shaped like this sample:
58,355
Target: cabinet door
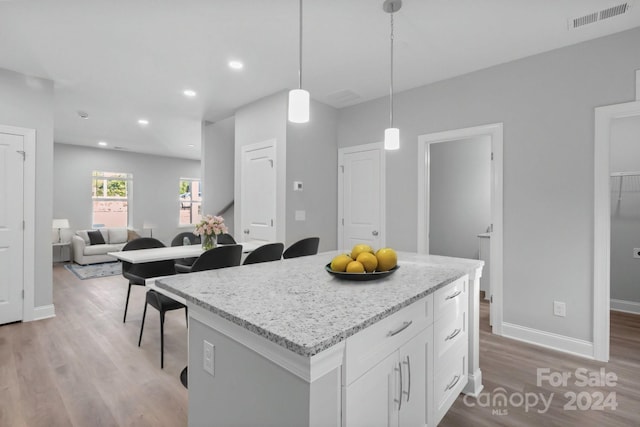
417,380
371,400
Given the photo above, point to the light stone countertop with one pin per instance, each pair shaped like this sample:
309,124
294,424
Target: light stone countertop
300,306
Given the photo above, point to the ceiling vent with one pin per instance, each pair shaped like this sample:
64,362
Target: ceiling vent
342,98
594,17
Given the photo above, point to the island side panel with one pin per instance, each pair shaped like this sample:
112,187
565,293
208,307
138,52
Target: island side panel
248,389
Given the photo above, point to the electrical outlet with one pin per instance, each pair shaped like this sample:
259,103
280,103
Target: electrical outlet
208,357
559,309
636,252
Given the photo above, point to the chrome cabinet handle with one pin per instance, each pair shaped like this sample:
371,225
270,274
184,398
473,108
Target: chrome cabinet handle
453,295
374,232
453,334
453,383
408,392
399,400
404,326
246,231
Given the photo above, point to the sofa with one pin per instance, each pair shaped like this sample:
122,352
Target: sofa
86,253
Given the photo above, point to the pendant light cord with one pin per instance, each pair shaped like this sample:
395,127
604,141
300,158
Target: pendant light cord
300,50
391,79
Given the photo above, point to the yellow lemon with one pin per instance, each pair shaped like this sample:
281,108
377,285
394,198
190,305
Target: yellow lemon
368,260
339,263
358,249
355,267
387,259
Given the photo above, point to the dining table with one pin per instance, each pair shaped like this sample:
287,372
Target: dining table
175,252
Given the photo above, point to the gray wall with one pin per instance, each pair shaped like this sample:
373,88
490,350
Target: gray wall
28,102
305,152
460,196
217,169
155,186
260,121
625,210
312,157
546,103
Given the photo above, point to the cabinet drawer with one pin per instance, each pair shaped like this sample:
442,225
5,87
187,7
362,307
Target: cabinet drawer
448,331
367,347
451,377
451,297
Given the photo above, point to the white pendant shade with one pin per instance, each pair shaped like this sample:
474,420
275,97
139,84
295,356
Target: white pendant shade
391,139
298,106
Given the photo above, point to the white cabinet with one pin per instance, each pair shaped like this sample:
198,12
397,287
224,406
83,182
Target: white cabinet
394,392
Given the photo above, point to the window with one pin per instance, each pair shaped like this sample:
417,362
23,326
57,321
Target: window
110,193
190,200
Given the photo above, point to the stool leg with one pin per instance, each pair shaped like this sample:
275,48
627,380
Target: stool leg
162,340
186,316
126,304
144,314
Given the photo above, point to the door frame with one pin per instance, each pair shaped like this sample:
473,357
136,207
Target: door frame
604,116
383,191
29,217
495,132
280,220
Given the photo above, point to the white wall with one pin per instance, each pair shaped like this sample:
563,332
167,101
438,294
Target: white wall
546,103
218,169
28,102
625,210
312,157
460,198
155,186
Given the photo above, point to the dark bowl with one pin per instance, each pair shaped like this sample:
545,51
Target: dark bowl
360,277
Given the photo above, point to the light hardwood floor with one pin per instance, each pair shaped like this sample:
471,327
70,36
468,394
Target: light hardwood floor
83,368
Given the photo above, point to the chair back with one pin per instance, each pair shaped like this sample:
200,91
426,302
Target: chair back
178,240
265,253
304,247
220,257
226,239
147,269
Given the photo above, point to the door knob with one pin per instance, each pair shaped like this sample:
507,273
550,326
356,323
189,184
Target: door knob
374,232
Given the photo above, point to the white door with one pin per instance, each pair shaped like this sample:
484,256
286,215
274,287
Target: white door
258,192
361,196
11,233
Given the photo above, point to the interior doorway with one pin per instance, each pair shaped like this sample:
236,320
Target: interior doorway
605,118
428,236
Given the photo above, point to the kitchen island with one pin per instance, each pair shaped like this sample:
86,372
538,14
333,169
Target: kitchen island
286,344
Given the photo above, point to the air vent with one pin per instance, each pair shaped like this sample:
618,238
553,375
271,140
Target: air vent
342,98
599,16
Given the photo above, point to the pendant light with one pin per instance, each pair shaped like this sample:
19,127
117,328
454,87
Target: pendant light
391,134
299,98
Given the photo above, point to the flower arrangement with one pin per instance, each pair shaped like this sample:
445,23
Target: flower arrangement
209,227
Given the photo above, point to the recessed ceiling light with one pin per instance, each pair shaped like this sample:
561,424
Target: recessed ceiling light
190,145
102,144
83,114
143,122
236,65
190,93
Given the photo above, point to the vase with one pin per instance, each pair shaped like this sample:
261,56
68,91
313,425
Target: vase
209,242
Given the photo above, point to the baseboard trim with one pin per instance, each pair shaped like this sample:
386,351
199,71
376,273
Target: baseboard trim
548,340
44,312
625,306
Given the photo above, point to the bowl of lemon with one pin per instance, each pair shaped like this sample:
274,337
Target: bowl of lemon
363,263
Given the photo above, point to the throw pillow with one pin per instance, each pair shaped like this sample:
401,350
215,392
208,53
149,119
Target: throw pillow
95,237
117,235
84,235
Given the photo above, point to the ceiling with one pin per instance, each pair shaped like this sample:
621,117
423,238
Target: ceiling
120,61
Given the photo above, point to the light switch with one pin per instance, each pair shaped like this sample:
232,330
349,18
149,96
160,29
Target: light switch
208,357
301,215
297,185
